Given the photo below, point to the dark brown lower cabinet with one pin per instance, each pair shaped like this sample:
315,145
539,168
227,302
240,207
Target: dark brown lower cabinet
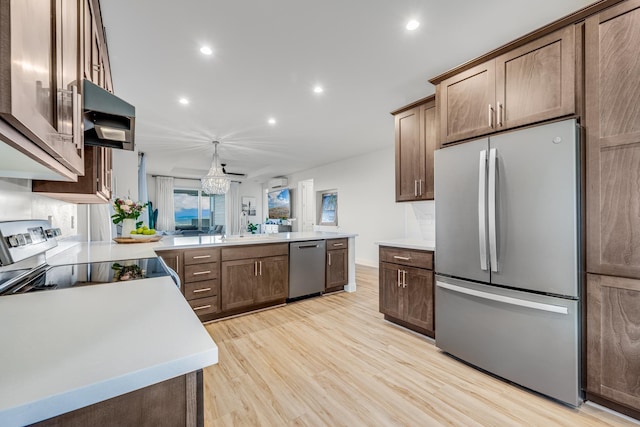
254,277
613,342
175,402
407,293
337,268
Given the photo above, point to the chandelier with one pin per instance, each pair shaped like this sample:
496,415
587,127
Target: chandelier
216,181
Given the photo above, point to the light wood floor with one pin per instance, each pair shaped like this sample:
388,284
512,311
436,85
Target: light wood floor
334,361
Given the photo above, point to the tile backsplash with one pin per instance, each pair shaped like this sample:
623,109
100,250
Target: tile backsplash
18,202
420,220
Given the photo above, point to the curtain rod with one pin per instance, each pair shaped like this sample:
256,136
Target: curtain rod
180,177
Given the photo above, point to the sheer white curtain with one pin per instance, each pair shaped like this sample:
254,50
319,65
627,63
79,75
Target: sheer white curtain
164,201
233,209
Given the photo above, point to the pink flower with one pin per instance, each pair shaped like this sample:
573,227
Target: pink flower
128,202
125,208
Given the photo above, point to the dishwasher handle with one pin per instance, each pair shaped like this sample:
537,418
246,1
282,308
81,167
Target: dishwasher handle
308,246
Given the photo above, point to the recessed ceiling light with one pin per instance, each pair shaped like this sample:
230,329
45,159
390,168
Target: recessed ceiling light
271,121
318,89
183,101
412,25
206,50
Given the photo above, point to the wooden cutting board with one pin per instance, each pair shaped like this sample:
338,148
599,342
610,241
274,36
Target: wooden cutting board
143,240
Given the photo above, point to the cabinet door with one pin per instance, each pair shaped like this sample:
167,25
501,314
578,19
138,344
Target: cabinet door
467,103
536,81
273,279
409,155
613,140
37,90
429,138
337,268
613,355
238,283
174,261
391,302
104,172
418,294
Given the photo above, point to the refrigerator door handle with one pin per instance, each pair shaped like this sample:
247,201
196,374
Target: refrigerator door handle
482,209
493,246
505,299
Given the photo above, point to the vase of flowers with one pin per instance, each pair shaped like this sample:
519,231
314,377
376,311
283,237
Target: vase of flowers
127,213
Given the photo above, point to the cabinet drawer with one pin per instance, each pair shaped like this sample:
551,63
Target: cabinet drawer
200,272
411,257
201,256
337,244
202,306
203,289
258,251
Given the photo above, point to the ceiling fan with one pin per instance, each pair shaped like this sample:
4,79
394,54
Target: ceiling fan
241,175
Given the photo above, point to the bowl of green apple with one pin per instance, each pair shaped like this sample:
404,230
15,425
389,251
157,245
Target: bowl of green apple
143,232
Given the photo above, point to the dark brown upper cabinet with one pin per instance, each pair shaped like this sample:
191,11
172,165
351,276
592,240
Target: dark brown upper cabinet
39,69
415,142
529,84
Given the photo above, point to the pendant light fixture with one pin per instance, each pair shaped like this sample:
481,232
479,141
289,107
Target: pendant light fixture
216,181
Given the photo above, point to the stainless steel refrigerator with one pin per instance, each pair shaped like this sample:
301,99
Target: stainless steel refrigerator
508,256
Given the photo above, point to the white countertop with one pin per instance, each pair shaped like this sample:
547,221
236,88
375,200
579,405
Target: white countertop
71,348
82,252
423,245
179,242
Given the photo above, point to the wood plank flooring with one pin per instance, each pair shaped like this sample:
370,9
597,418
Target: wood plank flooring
334,361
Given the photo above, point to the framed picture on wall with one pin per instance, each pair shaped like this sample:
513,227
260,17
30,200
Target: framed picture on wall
329,208
249,205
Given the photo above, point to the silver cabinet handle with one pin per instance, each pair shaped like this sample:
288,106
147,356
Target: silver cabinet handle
399,281
504,299
255,268
329,258
198,273
196,291
415,187
482,209
404,278
499,114
403,258
202,307
261,268
201,256
490,116
177,264
76,120
420,186
335,245
493,245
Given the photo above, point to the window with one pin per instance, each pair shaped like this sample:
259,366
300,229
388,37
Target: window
197,210
329,210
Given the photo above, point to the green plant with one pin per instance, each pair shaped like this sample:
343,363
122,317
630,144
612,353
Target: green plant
252,228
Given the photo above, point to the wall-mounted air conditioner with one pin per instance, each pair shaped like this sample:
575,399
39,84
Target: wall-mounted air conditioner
278,182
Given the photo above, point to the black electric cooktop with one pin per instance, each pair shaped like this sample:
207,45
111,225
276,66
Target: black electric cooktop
57,277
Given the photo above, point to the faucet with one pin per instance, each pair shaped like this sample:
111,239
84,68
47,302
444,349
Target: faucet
243,223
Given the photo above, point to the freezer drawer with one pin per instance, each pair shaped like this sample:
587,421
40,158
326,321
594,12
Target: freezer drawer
526,338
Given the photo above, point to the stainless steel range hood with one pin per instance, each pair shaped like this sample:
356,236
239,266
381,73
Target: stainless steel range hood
108,120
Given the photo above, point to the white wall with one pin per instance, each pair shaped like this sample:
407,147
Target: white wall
18,202
366,199
366,202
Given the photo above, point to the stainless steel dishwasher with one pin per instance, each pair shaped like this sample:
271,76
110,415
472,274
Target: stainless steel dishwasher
306,268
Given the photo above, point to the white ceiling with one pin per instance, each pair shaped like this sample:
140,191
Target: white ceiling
268,55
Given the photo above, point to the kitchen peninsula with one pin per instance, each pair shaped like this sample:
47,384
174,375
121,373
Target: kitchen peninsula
224,276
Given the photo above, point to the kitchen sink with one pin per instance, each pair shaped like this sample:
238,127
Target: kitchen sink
246,238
